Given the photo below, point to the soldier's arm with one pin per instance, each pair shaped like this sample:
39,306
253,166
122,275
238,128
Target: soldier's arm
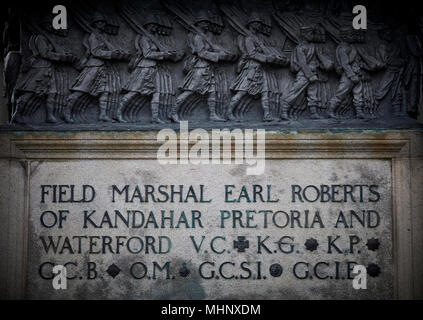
202,52
344,62
324,58
45,50
251,52
372,63
96,49
149,53
303,64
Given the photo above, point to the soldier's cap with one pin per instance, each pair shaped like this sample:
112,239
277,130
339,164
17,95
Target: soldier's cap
217,20
256,17
98,17
203,16
158,19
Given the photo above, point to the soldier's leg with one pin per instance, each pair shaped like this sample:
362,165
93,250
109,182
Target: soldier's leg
103,102
211,102
300,84
415,96
50,104
358,100
344,88
155,101
180,100
313,100
67,112
17,116
124,102
266,107
397,103
233,104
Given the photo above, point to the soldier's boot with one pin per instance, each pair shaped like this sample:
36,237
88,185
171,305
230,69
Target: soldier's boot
18,118
50,111
397,110
174,112
103,110
267,116
284,112
213,115
17,114
314,114
331,110
103,115
230,113
119,116
67,111
155,113
359,112
67,116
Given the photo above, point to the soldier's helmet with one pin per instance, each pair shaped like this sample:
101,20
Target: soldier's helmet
267,25
98,17
203,16
256,17
150,19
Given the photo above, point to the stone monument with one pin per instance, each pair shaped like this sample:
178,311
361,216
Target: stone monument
336,111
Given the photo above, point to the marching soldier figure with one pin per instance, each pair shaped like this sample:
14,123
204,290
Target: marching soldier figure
309,63
253,78
391,54
46,78
413,75
352,63
99,78
201,78
146,78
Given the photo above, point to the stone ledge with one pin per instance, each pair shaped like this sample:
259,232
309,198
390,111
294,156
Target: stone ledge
143,145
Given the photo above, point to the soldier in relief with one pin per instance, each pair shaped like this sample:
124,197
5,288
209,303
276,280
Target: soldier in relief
99,78
201,78
253,79
150,76
353,63
46,78
310,64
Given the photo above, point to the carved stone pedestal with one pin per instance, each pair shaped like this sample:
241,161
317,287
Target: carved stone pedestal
327,200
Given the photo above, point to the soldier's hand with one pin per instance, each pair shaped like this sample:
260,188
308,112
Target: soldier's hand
233,57
69,57
225,56
355,79
314,78
116,54
282,60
